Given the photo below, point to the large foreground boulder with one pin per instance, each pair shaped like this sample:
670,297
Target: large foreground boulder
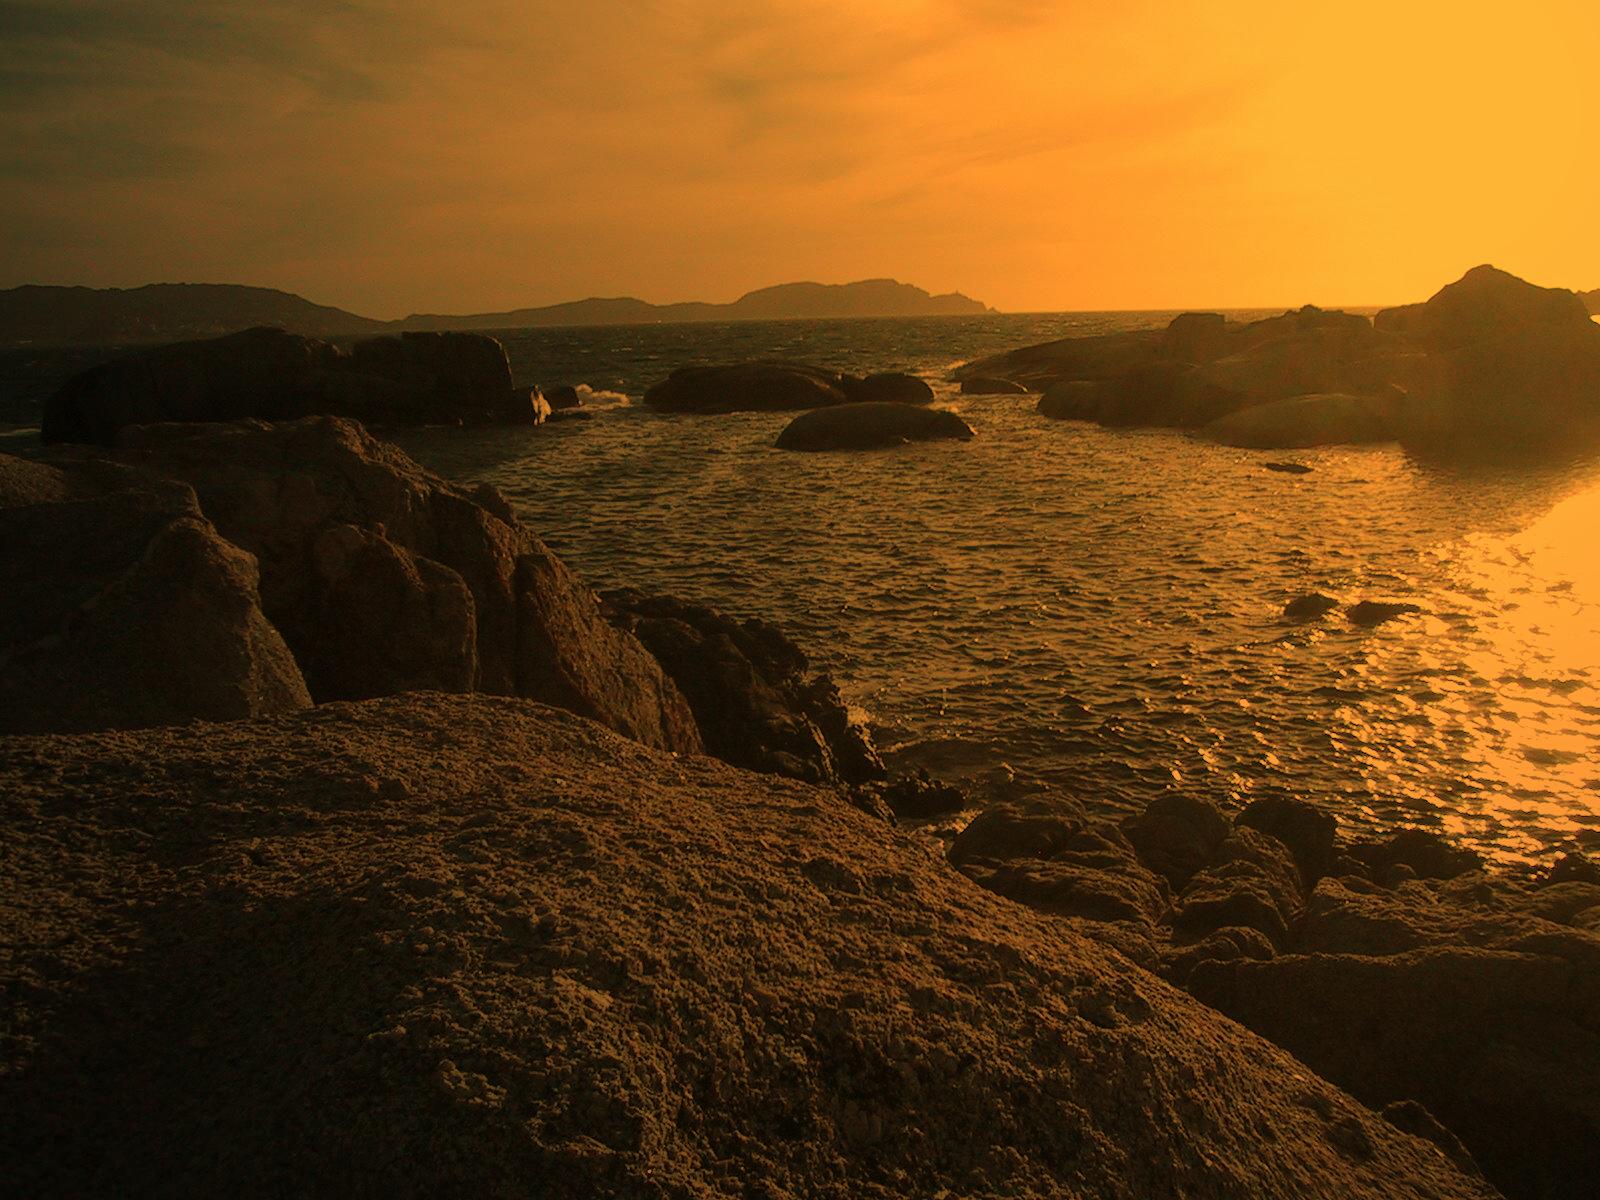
871,426
414,378
120,605
439,945
383,577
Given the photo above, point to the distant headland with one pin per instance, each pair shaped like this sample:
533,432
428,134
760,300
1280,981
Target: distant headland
45,315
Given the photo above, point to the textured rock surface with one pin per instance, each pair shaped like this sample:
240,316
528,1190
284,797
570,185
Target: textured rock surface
871,426
437,945
121,606
382,576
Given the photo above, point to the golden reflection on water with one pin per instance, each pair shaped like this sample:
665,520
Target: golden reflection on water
1531,704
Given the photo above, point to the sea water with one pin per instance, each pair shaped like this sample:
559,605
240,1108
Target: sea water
1055,609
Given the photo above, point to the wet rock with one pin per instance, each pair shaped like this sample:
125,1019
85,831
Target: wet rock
562,398
1176,835
871,426
1051,857
917,796
122,607
1288,468
756,386
1309,607
1307,830
890,387
1314,420
747,686
1251,881
1502,1045
1074,400
1425,853
1370,613
979,386
416,378
363,552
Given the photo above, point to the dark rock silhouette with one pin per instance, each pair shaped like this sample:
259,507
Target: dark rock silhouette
980,386
383,577
122,607
1484,305
758,386
1491,364
1288,468
890,387
274,375
438,945
871,426
747,685
1591,301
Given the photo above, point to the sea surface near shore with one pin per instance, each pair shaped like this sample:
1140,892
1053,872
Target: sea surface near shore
1061,609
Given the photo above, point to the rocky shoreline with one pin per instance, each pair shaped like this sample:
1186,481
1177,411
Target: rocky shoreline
367,851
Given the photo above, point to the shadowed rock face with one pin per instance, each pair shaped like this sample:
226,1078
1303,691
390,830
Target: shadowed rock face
746,684
415,378
120,605
447,945
1306,421
384,577
871,426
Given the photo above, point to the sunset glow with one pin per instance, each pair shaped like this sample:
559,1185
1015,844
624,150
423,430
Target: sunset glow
1156,153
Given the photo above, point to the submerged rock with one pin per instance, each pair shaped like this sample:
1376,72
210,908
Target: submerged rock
1309,607
469,946
871,426
1288,468
1375,612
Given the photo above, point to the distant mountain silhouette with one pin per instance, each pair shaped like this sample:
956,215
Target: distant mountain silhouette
161,312
1592,299
169,312
868,298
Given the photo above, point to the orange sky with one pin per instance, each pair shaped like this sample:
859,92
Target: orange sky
1106,154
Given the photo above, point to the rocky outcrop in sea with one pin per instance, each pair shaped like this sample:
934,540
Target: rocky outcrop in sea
1455,373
